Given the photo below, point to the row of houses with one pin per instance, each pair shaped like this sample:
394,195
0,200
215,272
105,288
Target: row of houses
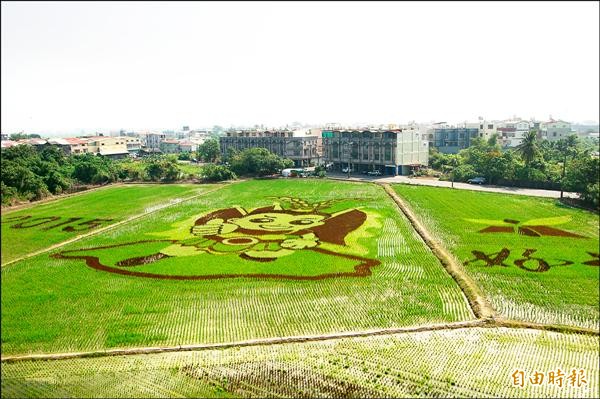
393,150
112,147
453,138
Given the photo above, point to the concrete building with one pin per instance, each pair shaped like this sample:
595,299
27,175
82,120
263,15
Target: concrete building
486,128
112,147
133,144
301,145
449,139
391,151
169,146
71,145
512,132
553,130
151,140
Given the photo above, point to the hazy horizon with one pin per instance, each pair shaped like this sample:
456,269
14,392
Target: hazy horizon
73,67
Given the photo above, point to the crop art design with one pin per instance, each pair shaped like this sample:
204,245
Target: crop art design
532,228
291,239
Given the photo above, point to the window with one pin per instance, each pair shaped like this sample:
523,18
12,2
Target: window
387,152
490,126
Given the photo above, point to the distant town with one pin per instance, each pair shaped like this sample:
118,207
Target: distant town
395,149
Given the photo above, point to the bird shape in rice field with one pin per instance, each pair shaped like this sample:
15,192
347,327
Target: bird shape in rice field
532,228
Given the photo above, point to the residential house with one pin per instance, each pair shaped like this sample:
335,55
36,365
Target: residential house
112,147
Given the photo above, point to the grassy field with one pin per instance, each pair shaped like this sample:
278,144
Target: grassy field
238,274
472,362
37,227
536,260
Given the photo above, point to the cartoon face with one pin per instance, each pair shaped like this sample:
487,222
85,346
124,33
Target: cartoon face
278,222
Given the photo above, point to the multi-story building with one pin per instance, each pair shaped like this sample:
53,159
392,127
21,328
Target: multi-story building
151,140
449,139
112,147
169,146
71,145
301,145
512,132
391,151
486,128
555,130
133,144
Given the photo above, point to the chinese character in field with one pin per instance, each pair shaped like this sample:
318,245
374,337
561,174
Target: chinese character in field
556,378
577,377
518,378
537,378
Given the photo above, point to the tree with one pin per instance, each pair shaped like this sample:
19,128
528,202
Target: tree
582,177
258,162
215,173
209,150
528,148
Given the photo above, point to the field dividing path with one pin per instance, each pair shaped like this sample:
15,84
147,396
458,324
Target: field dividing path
250,342
103,229
480,306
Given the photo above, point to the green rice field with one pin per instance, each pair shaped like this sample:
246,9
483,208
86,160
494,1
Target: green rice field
40,226
254,259
299,260
536,259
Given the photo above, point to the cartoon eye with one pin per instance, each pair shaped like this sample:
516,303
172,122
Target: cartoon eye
302,222
261,220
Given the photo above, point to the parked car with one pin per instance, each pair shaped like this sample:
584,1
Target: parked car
476,180
345,170
374,173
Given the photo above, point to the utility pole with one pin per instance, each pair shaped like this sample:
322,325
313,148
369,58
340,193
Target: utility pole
562,181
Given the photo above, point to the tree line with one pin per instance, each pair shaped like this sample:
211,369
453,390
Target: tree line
31,173
569,164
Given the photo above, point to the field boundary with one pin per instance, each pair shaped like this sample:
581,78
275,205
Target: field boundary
479,323
250,342
103,229
479,305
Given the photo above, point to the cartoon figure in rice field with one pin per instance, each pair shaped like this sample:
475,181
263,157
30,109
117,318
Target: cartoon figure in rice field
264,234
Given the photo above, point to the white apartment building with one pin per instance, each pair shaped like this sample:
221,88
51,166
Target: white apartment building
512,132
555,130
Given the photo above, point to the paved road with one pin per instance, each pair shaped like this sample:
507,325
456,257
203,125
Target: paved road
463,186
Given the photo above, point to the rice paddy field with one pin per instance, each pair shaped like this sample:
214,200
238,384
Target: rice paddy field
306,260
536,259
473,362
40,226
254,259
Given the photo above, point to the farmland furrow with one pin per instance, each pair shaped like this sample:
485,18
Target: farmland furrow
251,342
110,227
480,306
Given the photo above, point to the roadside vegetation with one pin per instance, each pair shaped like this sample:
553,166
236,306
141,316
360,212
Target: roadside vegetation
568,163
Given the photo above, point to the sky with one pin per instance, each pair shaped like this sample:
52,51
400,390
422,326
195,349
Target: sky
68,66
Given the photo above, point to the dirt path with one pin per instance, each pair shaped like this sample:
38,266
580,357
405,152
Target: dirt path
250,342
103,229
487,323
480,306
